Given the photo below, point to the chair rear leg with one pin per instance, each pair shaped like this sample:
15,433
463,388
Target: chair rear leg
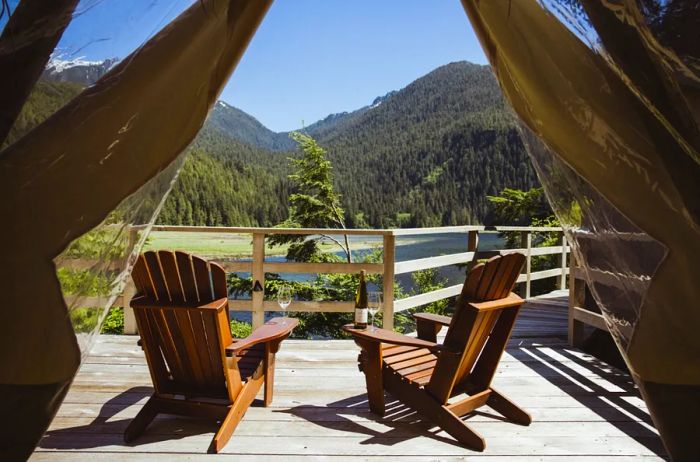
458,429
508,408
141,421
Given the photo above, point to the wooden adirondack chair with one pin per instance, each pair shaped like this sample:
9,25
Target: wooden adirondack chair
425,375
197,369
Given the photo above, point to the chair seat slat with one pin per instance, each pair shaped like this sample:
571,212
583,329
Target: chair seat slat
428,365
413,353
413,361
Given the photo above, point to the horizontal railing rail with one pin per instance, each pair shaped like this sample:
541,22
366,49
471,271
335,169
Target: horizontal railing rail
583,311
257,266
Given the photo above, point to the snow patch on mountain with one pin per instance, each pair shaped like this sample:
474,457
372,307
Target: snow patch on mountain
77,70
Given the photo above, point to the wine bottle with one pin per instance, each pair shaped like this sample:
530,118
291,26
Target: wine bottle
361,303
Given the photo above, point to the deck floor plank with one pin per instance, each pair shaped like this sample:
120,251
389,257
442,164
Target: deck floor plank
583,409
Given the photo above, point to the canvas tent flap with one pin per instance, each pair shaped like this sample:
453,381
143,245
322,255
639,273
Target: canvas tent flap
86,166
607,94
617,153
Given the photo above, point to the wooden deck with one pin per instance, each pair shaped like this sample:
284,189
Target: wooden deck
582,409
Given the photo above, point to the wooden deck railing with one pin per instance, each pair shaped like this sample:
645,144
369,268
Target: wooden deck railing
389,268
583,310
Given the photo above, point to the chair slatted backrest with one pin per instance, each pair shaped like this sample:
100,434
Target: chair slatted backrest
471,327
184,344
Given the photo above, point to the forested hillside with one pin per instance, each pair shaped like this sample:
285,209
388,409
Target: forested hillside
244,127
223,181
220,189
430,153
425,155
45,99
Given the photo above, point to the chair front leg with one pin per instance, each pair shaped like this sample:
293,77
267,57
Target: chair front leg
371,364
269,368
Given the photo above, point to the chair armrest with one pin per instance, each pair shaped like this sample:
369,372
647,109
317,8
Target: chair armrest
388,336
428,325
144,302
273,330
506,302
433,318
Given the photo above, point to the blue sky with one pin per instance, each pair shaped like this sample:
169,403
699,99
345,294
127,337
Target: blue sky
309,58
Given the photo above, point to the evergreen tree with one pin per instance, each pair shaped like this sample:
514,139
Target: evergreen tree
313,204
528,208
518,208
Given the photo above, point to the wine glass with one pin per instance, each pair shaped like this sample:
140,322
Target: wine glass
374,303
284,298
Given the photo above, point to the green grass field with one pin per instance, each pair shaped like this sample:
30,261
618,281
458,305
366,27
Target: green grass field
229,245
207,244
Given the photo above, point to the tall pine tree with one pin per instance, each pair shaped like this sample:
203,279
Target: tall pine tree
313,202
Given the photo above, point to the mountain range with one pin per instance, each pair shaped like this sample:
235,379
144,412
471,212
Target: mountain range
424,155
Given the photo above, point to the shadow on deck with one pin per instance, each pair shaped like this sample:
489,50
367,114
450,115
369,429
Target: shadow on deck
580,407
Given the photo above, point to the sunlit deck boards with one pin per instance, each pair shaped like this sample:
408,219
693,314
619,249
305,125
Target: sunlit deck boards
582,409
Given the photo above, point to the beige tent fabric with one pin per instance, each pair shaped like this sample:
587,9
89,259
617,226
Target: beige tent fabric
66,175
25,49
606,131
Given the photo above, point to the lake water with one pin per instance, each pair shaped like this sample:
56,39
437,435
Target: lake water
407,248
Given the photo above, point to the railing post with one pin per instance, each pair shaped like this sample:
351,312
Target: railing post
472,241
576,298
388,258
129,318
258,280
129,288
526,242
562,261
